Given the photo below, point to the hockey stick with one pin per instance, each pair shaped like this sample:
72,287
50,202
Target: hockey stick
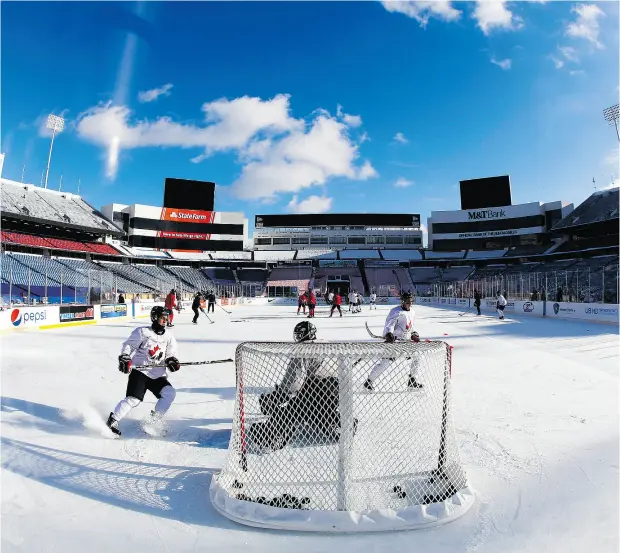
463,313
205,314
224,310
185,364
372,334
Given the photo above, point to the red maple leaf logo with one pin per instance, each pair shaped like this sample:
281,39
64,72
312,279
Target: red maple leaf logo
153,351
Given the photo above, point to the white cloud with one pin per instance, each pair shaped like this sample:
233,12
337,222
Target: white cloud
402,182
504,64
364,137
312,204
366,171
569,53
586,25
576,72
151,95
352,120
558,63
494,14
279,154
400,137
348,119
423,10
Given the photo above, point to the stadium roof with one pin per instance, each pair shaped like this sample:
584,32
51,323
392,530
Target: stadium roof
32,203
600,207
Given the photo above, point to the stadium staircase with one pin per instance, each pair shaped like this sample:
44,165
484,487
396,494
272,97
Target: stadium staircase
360,264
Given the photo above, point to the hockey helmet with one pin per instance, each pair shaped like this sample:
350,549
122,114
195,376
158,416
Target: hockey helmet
159,311
303,331
406,297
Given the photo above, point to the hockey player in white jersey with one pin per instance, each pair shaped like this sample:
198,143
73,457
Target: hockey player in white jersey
501,305
351,299
307,394
373,300
157,349
398,326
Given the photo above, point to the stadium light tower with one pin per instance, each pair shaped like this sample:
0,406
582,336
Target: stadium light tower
55,124
611,116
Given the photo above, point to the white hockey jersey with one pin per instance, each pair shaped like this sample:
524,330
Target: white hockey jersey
330,297
352,298
373,297
146,347
400,323
501,301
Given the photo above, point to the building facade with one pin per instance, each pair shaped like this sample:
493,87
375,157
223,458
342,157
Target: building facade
496,227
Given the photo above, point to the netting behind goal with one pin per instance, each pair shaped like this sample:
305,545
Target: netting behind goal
313,449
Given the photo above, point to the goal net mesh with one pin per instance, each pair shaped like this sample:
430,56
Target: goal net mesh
307,433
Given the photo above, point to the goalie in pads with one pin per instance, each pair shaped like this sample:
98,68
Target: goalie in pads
398,326
307,395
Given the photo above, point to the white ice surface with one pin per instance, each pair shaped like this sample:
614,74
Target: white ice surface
535,409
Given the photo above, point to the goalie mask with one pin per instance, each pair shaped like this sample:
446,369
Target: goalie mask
304,331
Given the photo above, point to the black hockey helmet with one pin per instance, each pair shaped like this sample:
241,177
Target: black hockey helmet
159,311
303,331
406,297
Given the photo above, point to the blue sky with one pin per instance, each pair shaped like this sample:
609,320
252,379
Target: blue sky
313,106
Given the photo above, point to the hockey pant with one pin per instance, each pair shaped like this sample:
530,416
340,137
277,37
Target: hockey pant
211,307
372,304
477,306
137,386
311,307
316,404
195,310
500,311
336,307
299,306
170,316
382,365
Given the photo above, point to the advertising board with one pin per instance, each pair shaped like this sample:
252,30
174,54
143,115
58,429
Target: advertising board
113,310
73,313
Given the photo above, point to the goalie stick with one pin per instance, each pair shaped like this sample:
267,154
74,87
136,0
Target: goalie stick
185,363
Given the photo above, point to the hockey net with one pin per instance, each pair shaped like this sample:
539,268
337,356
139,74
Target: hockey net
308,435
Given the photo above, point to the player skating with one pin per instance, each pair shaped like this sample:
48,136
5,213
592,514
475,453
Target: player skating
398,326
477,300
196,305
336,304
330,298
302,301
373,300
501,305
171,303
147,345
351,299
311,303
210,302
307,395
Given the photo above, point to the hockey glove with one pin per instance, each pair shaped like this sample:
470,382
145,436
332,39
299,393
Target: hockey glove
390,338
173,365
124,363
415,337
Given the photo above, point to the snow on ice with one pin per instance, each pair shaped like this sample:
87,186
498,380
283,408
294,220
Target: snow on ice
535,410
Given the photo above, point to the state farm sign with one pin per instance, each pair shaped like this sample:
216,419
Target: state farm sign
187,215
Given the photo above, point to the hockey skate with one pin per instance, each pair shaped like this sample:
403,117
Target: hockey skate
112,424
413,383
154,425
